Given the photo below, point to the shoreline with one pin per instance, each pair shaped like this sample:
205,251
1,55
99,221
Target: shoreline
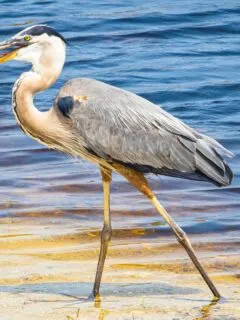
47,273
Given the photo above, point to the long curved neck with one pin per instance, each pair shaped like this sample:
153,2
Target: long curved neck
43,74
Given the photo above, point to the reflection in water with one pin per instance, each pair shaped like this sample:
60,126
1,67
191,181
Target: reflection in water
77,317
97,301
103,313
96,304
206,310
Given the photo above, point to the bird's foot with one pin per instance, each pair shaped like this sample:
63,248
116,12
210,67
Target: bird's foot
93,297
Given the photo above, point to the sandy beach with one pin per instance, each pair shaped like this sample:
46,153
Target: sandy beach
48,264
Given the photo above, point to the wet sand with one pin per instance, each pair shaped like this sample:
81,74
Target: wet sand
48,264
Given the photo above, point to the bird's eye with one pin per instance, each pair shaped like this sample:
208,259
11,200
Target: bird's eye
27,38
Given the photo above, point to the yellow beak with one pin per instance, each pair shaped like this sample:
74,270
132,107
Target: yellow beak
4,57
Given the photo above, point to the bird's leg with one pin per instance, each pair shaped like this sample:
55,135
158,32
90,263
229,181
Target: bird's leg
139,181
185,242
106,231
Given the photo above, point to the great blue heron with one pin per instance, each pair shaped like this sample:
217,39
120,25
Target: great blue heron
113,128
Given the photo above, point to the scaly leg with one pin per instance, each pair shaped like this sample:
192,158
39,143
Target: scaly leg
185,242
106,231
138,180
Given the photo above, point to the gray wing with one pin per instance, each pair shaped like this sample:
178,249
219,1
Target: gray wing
121,126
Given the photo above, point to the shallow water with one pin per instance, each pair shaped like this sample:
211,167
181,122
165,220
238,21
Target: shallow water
184,56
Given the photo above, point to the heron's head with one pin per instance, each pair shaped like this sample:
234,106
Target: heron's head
40,45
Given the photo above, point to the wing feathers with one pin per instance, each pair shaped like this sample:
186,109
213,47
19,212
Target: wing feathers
121,126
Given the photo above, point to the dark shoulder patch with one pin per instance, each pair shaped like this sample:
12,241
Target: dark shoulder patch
65,105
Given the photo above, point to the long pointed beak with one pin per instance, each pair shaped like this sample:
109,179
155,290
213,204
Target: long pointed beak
6,56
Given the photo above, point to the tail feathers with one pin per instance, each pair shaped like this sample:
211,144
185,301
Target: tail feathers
211,163
217,147
208,162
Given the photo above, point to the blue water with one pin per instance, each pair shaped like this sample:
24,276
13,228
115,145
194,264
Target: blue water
182,55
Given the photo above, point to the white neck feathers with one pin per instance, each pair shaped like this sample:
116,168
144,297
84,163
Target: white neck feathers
47,67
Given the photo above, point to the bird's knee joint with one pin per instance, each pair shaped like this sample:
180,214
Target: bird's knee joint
106,233
182,237
106,174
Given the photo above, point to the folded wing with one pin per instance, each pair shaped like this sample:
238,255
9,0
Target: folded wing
120,126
